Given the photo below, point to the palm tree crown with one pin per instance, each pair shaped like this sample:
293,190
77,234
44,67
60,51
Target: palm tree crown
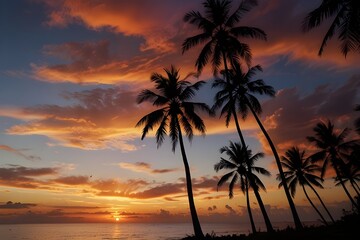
300,170
333,149
220,33
346,21
240,88
175,108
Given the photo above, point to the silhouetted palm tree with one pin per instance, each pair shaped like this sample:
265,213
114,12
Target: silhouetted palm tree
241,162
332,147
176,114
236,95
350,173
235,163
219,33
300,170
345,16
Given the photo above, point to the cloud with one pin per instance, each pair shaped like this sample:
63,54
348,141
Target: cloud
158,30
23,177
145,167
123,17
72,180
91,63
289,118
19,152
102,118
16,205
295,44
231,210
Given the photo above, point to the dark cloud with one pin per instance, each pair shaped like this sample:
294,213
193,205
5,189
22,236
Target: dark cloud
16,205
145,167
73,180
23,177
289,118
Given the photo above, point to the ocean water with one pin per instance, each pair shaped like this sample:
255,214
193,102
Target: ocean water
113,231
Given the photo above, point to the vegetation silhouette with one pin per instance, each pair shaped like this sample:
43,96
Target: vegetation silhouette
176,114
241,162
300,171
238,93
332,149
345,22
220,35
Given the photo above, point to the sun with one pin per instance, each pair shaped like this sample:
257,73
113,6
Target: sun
117,219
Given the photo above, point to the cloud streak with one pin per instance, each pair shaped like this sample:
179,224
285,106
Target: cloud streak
145,167
19,152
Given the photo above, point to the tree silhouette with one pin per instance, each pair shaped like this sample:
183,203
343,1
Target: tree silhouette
300,170
241,162
345,16
220,35
332,147
175,115
350,173
237,95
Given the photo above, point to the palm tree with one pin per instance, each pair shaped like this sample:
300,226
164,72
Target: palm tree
241,162
332,147
346,22
220,35
300,170
237,93
176,114
237,165
350,173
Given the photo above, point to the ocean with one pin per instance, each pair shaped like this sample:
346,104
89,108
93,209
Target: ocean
114,231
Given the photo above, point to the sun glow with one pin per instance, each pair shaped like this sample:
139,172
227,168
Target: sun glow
117,219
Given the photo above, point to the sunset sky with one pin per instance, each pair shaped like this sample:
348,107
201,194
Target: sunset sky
70,72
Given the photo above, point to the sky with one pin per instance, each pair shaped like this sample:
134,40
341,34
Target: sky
70,72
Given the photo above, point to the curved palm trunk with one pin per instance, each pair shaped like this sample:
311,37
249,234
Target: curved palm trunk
312,204
248,207
342,184
322,203
357,185
268,224
194,216
352,184
295,215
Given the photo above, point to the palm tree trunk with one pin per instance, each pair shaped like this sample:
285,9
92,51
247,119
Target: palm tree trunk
322,203
352,184
312,204
358,188
295,215
268,224
248,207
343,185
233,110
195,220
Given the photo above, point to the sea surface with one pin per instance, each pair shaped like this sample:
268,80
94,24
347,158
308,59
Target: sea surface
115,231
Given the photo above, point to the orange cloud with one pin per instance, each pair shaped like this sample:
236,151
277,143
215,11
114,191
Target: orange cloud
126,18
159,24
103,118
